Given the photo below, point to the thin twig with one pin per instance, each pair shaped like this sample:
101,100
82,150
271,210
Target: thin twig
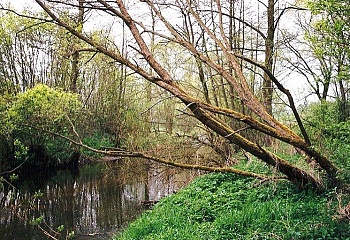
153,105
73,128
237,131
15,169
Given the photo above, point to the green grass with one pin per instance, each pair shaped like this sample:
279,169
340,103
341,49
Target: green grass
225,206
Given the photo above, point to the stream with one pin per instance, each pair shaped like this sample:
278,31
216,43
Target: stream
95,202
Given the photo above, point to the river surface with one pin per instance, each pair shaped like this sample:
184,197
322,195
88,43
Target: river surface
95,202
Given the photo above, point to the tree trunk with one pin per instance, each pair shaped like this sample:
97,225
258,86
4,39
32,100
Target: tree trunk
75,56
269,45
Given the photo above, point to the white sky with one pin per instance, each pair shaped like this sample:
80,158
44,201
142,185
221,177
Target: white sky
21,4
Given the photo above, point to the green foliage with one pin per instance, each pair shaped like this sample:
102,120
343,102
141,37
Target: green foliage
38,194
319,116
330,134
60,228
71,235
35,111
224,206
45,107
331,33
13,177
97,141
21,151
36,221
337,143
335,25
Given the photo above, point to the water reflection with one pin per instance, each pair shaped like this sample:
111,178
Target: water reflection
92,205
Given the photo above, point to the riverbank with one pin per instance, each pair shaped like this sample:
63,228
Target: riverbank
224,206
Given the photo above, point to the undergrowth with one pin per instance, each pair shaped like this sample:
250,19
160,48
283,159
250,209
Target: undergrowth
225,206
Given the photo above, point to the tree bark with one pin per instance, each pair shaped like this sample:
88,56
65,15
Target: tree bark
75,56
269,48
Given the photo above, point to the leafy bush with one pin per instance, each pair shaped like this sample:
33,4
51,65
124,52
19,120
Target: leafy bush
45,107
37,110
224,206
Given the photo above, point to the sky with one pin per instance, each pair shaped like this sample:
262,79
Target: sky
21,4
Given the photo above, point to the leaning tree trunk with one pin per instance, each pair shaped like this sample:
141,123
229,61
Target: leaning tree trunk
206,113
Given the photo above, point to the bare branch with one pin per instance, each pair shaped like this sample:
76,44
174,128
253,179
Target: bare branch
126,153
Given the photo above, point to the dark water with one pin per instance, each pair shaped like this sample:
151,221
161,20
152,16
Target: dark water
94,204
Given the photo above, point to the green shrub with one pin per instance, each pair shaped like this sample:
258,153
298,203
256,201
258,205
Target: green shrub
45,107
32,114
330,134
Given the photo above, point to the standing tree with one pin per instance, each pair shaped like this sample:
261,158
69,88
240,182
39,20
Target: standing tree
75,55
269,49
213,28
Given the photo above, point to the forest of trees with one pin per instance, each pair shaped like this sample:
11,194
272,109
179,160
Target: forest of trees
162,79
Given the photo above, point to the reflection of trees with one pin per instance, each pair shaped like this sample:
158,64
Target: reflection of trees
90,203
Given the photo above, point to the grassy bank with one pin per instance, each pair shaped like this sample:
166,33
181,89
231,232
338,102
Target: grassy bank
224,206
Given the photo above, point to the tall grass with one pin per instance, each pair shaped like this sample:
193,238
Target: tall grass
224,206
